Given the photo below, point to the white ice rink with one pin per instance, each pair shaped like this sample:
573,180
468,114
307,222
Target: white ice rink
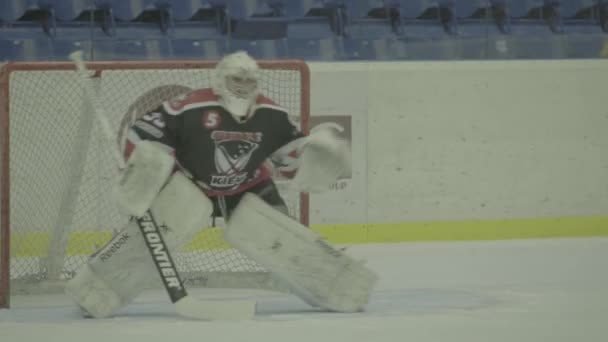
525,290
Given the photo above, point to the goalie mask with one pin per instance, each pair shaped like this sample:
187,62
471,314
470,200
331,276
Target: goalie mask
236,83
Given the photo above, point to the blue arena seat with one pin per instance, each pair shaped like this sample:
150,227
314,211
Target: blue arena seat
260,29
361,8
372,19
536,46
582,16
63,47
124,10
424,30
70,9
423,49
364,49
124,18
482,25
279,19
413,9
264,49
185,9
570,8
327,49
11,10
373,28
198,49
309,29
196,30
522,8
585,45
34,49
418,16
375,49
532,17
294,8
119,49
465,9
239,9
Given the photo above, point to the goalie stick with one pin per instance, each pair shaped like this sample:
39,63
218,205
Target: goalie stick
185,305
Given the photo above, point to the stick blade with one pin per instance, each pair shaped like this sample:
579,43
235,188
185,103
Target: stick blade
234,310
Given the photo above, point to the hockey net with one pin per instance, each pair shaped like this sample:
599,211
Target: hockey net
57,171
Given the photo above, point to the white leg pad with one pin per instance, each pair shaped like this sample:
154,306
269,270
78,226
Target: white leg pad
318,273
124,265
147,170
93,294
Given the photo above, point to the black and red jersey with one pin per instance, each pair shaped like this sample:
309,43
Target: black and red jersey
223,155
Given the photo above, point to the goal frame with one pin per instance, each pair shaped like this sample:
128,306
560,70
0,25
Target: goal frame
98,68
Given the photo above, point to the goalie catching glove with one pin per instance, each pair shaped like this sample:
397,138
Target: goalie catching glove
324,159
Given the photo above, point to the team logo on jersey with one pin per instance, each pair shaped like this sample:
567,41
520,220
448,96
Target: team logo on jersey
233,150
211,119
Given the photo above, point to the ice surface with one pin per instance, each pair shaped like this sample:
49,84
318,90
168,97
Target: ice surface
522,290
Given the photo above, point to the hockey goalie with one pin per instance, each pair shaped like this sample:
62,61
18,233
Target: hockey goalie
205,154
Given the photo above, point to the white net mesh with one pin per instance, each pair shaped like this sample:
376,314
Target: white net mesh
62,171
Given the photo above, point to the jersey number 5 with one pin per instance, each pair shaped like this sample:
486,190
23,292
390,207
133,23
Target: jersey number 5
211,120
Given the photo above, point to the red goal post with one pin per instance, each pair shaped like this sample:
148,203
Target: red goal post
55,172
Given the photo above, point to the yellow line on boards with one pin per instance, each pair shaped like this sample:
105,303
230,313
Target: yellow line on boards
86,242
466,230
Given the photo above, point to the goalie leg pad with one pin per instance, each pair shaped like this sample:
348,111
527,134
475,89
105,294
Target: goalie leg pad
318,273
147,170
124,266
93,294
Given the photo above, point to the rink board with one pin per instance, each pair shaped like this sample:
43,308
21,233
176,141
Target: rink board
367,233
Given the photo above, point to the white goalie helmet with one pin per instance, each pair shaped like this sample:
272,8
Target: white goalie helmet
236,83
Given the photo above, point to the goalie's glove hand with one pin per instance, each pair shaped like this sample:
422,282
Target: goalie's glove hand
326,157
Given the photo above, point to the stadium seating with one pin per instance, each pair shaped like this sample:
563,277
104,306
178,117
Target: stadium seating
67,10
119,49
265,49
293,9
126,10
467,9
581,15
570,9
257,29
310,29
582,24
325,49
63,47
184,10
375,49
11,10
539,16
425,18
372,19
198,48
26,49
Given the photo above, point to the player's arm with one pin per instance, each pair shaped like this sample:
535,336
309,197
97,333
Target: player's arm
150,146
157,126
318,159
